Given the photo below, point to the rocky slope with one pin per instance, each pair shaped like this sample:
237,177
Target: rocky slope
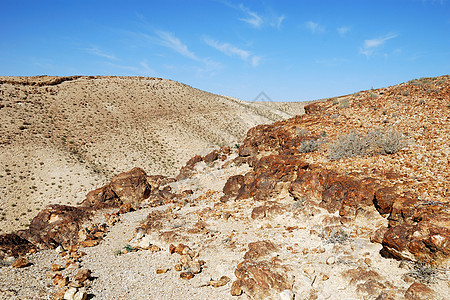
62,136
349,201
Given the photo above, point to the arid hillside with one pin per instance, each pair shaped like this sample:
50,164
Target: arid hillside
62,136
347,201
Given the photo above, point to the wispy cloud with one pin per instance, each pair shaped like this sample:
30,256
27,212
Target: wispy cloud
168,40
251,17
343,30
258,19
371,45
231,50
96,51
314,27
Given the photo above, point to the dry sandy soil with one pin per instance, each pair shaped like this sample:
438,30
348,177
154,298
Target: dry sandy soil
279,217
62,136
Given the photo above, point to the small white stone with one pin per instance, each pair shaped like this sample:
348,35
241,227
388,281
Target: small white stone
331,260
309,270
80,295
287,295
59,249
70,293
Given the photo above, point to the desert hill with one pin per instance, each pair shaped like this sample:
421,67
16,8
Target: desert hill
62,136
348,201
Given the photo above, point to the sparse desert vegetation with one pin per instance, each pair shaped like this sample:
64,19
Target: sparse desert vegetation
62,136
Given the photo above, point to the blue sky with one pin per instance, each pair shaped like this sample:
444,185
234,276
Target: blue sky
291,50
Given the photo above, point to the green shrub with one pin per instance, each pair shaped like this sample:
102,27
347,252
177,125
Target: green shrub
374,142
390,141
309,146
348,145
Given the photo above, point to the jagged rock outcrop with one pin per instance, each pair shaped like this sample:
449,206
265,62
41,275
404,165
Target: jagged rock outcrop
59,225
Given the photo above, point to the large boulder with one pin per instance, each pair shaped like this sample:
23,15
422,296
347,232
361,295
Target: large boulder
13,245
131,187
56,225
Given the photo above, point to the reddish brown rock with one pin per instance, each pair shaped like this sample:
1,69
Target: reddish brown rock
232,187
82,275
384,199
13,245
131,187
270,209
260,249
261,280
313,108
189,168
236,289
186,275
124,208
419,291
211,157
402,211
101,197
20,263
220,282
361,274
427,240
56,225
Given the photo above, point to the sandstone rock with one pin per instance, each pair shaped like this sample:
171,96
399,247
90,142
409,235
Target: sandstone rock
56,225
82,275
361,274
220,282
161,271
384,199
189,168
259,250
263,279
186,275
270,209
59,295
131,187
418,291
13,245
232,187
101,197
377,235
425,241
211,157
70,293
195,266
20,263
80,295
124,208
370,287
236,289
313,108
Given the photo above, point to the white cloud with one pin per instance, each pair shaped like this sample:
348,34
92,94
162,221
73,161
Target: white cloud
343,30
172,42
314,27
276,21
231,50
256,60
257,19
252,18
370,45
96,51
